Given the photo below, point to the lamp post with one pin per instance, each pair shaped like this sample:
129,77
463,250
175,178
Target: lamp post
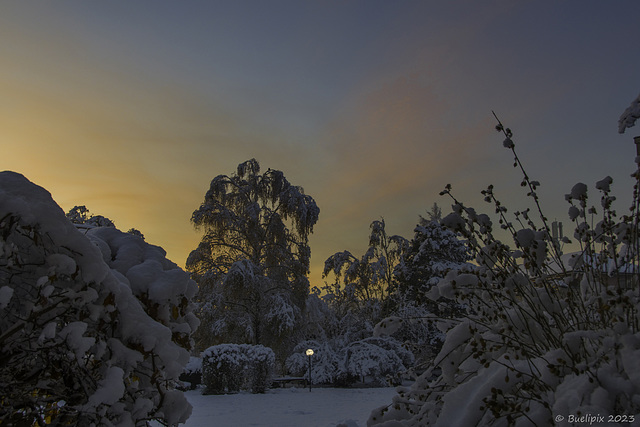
309,354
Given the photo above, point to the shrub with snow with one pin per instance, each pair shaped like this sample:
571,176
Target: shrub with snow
262,362
229,368
324,363
378,361
372,363
164,290
416,327
77,346
541,338
223,368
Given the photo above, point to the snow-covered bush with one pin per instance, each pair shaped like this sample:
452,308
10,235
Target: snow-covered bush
164,290
378,361
324,363
370,361
229,368
394,346
223,368
261,368
77,347
415,327
542,339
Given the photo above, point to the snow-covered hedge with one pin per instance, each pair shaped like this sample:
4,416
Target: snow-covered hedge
223,368
76,344
229,368
191,376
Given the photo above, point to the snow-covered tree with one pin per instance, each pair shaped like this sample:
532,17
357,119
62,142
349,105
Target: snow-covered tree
78,214
321,322
94,329
435,213
253,260
362,293
81,215
433,251
136,232
371,276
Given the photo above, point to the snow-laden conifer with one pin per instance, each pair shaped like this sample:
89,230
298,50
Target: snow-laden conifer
432,252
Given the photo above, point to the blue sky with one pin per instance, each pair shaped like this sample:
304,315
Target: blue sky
131,108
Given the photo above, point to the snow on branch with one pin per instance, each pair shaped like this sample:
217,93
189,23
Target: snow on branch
630,115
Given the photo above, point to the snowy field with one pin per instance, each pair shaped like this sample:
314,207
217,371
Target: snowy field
288,407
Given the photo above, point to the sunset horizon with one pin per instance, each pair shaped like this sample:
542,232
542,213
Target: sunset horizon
372,108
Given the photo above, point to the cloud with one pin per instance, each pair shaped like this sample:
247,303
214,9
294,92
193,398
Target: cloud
394,140
395,145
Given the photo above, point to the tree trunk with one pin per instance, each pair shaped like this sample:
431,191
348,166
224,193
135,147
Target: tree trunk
257,335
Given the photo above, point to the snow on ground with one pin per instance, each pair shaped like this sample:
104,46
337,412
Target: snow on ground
288,407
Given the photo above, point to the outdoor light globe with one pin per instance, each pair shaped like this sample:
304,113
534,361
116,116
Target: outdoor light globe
309,352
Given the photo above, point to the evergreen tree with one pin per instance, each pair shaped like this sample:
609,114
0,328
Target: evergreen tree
431,253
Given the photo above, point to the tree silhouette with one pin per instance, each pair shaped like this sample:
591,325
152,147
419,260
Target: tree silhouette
253,260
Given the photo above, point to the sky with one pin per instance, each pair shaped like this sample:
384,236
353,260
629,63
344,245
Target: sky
132,108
